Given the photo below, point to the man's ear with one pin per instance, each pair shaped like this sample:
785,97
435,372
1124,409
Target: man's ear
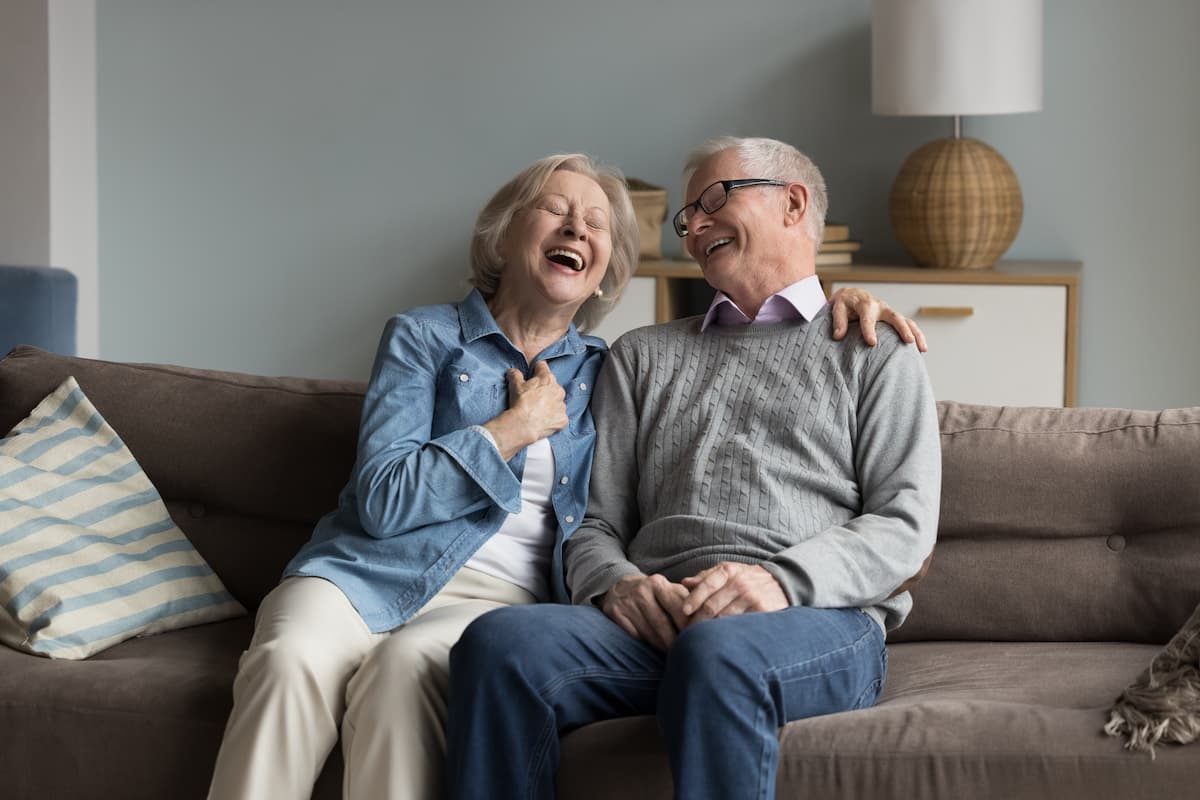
797,203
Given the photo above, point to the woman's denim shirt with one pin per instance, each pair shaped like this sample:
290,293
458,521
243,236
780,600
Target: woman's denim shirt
427,490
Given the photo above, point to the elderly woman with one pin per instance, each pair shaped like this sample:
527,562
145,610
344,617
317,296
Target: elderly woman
473,461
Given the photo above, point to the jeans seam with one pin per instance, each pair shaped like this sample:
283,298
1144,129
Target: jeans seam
774,671
863,699
538,758
561,680
764,765
547,692
876,687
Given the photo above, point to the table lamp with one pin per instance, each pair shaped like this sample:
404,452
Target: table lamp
956,202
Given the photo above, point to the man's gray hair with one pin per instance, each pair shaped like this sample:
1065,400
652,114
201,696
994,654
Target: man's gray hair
773,159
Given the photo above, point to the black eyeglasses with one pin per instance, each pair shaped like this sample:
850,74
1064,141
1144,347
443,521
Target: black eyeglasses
713,199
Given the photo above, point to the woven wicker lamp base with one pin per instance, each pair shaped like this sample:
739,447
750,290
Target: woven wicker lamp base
956,203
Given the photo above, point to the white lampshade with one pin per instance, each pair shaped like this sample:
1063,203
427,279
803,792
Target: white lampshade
956,57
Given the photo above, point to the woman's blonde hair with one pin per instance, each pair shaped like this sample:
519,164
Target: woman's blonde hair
519,193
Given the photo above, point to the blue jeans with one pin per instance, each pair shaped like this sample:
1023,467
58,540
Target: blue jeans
522,677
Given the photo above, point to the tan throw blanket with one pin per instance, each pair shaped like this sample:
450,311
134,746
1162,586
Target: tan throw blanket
1163,704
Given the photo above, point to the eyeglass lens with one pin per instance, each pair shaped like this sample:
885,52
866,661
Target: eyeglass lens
711,200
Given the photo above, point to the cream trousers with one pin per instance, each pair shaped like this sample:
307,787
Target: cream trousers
313,666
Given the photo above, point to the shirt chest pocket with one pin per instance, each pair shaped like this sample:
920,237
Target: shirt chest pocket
468,394
579,397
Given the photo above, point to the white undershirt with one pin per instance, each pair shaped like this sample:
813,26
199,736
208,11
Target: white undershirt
520,551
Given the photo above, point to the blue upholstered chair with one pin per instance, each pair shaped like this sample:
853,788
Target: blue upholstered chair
37,306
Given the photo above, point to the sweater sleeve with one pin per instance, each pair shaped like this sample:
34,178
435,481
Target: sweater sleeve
897,458
596,554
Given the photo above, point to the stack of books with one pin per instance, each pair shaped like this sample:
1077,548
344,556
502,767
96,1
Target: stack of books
837,247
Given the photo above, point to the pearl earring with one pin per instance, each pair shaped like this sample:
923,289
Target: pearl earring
598,293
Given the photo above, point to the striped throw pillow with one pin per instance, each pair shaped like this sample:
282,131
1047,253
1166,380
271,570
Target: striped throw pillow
89,555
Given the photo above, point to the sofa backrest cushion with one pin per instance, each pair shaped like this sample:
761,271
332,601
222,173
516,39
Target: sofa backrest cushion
1063,524
246,464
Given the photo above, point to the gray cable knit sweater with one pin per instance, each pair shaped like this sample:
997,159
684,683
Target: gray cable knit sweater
771,445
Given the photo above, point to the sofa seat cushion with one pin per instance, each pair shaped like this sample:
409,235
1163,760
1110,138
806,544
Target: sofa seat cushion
142,719
184,674
135,719
957,719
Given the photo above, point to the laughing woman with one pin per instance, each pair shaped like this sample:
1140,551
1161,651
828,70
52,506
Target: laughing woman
474,454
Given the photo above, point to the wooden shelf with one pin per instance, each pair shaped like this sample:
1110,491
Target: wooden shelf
1019,272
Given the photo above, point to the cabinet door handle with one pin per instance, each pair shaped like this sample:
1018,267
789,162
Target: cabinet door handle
945,311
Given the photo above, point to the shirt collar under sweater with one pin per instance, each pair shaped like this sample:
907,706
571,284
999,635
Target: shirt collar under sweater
803,298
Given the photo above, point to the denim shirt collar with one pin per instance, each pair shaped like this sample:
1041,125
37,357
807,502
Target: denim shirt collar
477,322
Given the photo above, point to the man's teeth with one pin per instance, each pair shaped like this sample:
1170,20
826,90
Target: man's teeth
715,244
557,254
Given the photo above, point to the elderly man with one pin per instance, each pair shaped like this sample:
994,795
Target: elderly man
760,496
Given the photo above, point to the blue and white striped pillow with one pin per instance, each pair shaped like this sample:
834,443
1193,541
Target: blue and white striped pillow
89,555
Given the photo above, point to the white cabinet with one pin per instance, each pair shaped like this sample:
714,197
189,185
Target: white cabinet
1000,345
635,309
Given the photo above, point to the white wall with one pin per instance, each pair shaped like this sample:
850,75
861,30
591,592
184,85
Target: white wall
24,135
278,176
72,139
48,146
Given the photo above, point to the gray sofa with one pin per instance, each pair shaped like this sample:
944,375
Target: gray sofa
1069,551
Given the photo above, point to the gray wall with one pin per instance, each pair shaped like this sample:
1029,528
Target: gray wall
278,176
24,134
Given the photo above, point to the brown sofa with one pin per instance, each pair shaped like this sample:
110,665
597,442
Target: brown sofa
1069,552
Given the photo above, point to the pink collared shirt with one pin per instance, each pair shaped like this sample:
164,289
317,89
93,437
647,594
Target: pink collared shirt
803,298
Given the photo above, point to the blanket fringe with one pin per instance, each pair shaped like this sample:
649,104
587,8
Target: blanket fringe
1163,705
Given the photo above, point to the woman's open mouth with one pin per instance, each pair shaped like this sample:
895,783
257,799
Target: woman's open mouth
566,258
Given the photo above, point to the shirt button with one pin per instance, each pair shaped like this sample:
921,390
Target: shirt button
583,387
464,377
563,480
568,518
